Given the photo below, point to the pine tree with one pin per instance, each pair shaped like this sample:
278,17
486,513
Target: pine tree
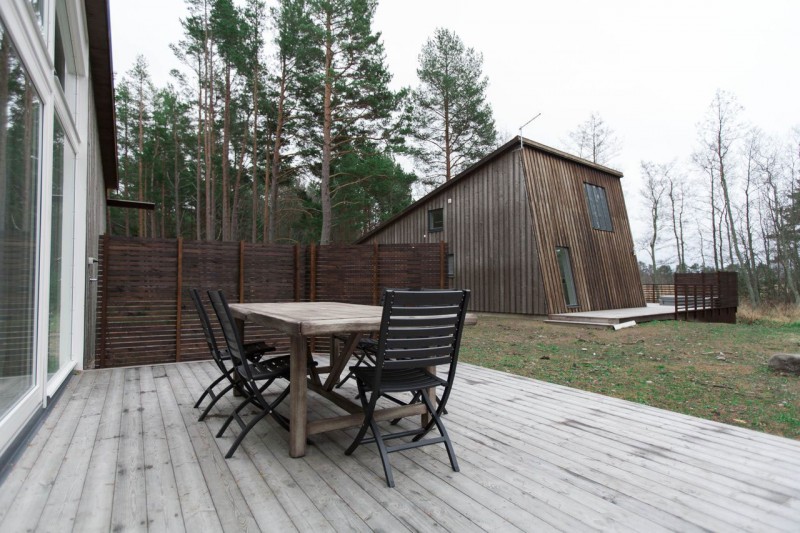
453,125
343,86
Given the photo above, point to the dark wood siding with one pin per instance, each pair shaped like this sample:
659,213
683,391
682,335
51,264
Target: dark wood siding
488,228
604,266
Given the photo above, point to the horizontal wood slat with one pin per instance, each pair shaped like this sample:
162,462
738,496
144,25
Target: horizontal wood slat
142,320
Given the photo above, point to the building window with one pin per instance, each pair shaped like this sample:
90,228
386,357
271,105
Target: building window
61,234
567,280
435,220
598,207
451,266
20,178
64,57
38,10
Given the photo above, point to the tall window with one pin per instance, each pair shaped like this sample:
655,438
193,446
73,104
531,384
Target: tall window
567,280
64,56
598,207
60,326
20,134
435,220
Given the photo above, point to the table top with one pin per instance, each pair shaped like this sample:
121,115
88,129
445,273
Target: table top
315,318
311,318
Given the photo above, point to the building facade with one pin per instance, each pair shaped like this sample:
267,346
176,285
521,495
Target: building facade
530,230
57,158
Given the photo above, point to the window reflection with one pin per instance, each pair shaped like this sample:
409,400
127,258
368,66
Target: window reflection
20,133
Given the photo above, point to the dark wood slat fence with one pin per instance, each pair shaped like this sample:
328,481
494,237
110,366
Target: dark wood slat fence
145,315
707,297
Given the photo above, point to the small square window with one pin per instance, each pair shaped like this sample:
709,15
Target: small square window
598,207
435,220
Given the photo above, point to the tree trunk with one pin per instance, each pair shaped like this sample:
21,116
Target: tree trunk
254,163
139,156
226,143
327,125
198,167
276,151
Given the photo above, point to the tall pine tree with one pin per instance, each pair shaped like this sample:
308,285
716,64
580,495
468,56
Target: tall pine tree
453,125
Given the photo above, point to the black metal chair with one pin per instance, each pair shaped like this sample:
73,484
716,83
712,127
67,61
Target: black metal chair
367,348
254,351
253,378
419,330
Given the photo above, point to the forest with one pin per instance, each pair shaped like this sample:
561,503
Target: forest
734,205
281,127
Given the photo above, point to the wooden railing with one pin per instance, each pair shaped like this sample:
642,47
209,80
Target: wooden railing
145,315
707,297
654,291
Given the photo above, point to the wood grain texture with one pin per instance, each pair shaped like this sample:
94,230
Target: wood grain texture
505,216
534,457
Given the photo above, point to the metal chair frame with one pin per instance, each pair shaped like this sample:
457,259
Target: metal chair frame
253,351
419,330
249,375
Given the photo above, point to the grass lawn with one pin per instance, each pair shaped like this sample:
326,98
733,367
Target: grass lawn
715,371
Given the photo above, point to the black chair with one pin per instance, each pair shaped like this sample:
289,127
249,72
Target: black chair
253,378
419,330
367,348
254,351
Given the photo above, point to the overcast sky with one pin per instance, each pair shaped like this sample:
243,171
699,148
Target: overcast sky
650,68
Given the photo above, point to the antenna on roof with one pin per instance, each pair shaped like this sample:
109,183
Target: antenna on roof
520,128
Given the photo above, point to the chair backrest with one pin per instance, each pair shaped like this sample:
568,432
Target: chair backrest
421,329
230,332
208,333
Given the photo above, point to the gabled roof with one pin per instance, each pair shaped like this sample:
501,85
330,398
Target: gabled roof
98,26
513,144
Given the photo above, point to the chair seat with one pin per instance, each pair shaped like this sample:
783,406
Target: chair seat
269,368
397,380
257,348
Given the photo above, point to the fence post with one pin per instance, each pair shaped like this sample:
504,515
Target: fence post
179,301
312,296
104,307
241,272
375,274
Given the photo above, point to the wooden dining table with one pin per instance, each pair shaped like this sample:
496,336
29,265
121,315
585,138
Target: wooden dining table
302,320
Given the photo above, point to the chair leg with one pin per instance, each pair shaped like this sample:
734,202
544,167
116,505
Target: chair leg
359,362
369,408
244,432
269,410
210,389
234,415
387,467
436,419
216,398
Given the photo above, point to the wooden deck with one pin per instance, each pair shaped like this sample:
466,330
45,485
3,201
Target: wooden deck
122,450
610,317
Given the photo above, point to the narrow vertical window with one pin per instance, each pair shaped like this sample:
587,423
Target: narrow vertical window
597,203
451,265
435,220
567,280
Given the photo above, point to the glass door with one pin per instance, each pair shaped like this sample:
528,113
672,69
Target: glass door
20,139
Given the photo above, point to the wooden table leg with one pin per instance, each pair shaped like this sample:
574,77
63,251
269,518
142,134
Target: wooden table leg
298,396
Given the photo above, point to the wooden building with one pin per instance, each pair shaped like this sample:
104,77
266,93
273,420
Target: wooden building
58,157
530,230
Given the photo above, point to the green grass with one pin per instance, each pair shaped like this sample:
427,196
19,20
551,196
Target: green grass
715,371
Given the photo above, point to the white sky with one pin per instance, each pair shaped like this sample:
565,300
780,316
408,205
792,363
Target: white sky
650,68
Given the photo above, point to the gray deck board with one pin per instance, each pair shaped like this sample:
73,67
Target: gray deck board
123,450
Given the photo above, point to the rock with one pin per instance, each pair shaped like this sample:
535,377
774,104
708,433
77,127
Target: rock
785,362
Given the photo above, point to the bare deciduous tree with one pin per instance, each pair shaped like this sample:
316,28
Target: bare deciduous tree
595,140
